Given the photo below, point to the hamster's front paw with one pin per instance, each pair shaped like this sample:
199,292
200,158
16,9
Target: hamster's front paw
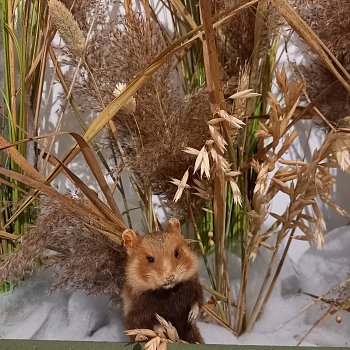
193,314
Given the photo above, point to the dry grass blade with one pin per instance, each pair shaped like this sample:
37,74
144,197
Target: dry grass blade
89,158
327,314
218,295
218,319
184,13
9,236
88,192
20,160
78,208
96,170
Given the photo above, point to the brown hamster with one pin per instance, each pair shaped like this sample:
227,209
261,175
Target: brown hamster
161,277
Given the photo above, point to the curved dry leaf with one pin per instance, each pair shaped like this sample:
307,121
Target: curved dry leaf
80,209
96,170
88,192
20,160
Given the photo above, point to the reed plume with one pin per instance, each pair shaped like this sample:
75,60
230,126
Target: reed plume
81,257
236,38
161,122
68,28
330,97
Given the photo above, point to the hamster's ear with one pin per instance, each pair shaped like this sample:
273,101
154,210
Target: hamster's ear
130,238
174,226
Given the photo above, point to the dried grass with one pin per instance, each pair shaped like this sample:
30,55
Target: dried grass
304,183
83,9
162,121
159,337
335,300
236,42
158,124
330,21
68,28
83,257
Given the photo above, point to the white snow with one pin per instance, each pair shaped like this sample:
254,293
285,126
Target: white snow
30,312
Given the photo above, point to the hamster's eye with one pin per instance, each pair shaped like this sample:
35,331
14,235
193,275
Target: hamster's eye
150,259
177,254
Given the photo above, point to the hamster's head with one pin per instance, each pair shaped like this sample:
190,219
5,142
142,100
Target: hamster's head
159,259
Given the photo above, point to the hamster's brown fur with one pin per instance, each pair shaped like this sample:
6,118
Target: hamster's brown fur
161,277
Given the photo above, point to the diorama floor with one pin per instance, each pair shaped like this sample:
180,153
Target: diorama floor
31,312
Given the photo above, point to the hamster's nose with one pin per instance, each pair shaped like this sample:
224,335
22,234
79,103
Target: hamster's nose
170,278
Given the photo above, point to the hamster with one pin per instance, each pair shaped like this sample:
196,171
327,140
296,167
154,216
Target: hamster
161,277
